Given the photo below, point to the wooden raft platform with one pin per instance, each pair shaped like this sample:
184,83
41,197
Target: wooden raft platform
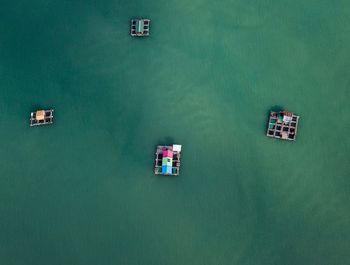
283,125
41,117
139,27
168,160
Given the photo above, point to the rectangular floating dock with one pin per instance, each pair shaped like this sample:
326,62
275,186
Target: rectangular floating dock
168,160
283,125
41,117
139,27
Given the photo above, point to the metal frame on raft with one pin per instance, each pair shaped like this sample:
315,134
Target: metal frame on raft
283,125
139,27
168,160
41,117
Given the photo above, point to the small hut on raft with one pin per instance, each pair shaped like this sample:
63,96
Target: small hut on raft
283,125
139,27
41,117
168,160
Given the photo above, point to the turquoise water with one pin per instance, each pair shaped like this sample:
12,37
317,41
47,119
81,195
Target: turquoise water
82,191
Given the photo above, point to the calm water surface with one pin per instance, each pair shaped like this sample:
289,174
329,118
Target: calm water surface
83,191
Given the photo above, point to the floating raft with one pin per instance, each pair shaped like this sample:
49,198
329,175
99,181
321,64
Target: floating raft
41,117
167,160
139,27
283,125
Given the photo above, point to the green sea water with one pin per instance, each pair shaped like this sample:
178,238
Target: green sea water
82,191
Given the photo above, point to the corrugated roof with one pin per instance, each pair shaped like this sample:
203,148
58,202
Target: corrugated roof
166,161
168,153
177,148
139,26
166,170
40,115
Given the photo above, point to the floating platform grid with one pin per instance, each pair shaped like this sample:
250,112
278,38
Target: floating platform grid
139,27
168,160
41,117
283,125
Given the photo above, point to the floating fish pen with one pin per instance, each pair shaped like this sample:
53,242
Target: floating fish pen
41,117
283,125
168,160
140,27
